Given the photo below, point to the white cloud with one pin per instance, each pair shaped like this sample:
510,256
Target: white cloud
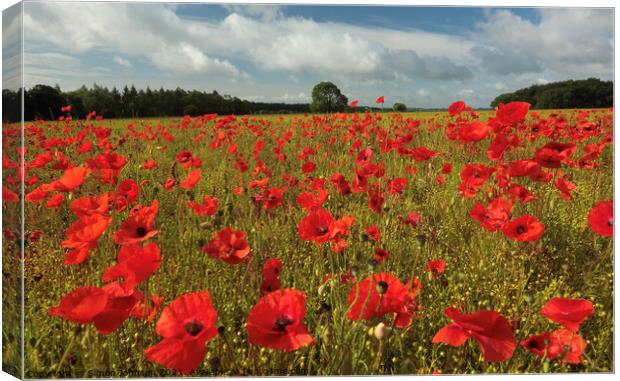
568,41
123,62
259,34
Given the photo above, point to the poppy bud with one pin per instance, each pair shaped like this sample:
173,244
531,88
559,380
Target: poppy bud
214,363
372,263
421,238
325,308
382,287
381,331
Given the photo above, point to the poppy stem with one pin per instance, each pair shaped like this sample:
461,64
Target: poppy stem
65,354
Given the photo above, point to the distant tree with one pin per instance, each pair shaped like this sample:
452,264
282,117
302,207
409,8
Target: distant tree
587,93
326,97
400,107
43,102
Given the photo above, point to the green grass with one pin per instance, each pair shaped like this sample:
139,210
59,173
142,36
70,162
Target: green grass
484,270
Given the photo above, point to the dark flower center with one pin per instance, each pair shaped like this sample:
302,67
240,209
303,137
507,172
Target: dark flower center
534,344
193,327
610,222
281,323
322,230
520,229
141,231
382,287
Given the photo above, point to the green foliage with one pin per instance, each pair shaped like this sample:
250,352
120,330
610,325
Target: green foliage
400,107
588,93
326,97
44,102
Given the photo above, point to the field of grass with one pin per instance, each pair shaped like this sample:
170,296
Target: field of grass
484,271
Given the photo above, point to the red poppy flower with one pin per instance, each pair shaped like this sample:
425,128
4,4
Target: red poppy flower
138,227
186,325
412,218
565,187
354,104
490,330
435,267
568,312
207,208
570,344
380,255
457,108
473,132
126,194
493,217
229,246
269,285
512,113
81,305
308,167
149,164
541,345
82,236
134,264
307,200
498,147
272,268
524,228
373,232
119,308
271,198
8,195
551,155
520,168
561,342
375,200
601,218
106,307
340,183
519,193
380,100
86,206
185,158
376,296
446,169
317,226
276,321
70,180
169,184
191,180
55,201
397,185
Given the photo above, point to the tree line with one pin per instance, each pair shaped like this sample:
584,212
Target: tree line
44,102
587,93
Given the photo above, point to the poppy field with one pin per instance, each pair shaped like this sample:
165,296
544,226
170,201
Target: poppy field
456,242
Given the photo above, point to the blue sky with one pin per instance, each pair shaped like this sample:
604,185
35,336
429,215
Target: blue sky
422,56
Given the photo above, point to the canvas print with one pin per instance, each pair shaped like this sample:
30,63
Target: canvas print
212,190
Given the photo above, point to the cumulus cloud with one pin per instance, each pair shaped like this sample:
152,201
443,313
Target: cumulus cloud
260,34
570,41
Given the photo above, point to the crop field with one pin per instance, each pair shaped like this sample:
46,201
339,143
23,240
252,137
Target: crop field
350,243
